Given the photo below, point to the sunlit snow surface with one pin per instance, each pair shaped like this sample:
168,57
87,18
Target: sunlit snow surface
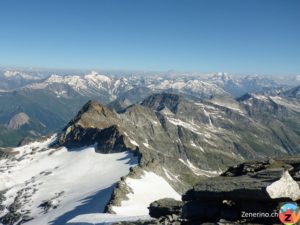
104,218
76,182
147,189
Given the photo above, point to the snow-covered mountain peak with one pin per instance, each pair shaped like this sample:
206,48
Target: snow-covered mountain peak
223,76
90,85
13,74
96,77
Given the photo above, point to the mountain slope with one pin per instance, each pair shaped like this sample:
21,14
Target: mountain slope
202,137
167,140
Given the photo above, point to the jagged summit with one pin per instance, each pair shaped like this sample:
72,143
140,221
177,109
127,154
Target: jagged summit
94,114
95,124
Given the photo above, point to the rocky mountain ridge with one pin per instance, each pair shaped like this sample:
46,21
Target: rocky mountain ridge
162,130
168,138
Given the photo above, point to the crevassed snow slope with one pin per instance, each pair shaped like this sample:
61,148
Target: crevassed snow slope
149,188
74,182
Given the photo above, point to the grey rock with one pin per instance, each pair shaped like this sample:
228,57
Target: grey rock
165,207
242,188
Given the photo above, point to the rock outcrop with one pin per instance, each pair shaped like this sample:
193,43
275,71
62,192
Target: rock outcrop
165,207
259,188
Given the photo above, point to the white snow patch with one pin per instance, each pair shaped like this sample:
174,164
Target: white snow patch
133,142
167,174
105,218
285,187
77,181
197,146
200,172
149,188
208,116
146,145
186,125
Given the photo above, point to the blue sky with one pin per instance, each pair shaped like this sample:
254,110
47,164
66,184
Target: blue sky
244,36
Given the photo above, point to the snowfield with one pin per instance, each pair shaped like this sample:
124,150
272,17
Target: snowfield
104,218
63,186
149,188
69,183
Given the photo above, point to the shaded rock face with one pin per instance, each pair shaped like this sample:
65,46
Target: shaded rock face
160,101
107,140
93,124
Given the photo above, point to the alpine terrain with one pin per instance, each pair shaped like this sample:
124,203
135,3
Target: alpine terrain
112,161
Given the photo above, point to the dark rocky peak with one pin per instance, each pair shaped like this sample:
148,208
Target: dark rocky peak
160,101
97,107
95,124
107,140
93,114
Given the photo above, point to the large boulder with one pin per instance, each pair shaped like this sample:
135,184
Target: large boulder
166,206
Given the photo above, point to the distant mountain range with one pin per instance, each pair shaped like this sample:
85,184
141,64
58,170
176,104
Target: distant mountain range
51,101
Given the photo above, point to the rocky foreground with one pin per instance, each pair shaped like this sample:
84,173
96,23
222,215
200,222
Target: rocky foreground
253,187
